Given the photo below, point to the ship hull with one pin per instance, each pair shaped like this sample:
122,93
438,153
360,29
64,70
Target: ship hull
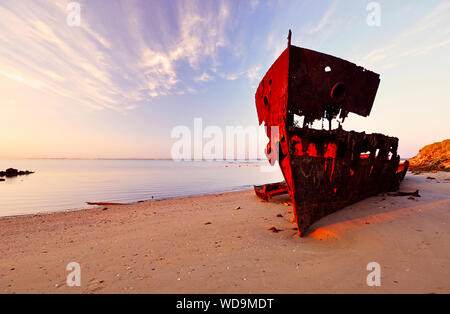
324,170
337,169
327,176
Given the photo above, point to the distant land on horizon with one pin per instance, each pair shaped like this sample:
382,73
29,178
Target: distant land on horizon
165,159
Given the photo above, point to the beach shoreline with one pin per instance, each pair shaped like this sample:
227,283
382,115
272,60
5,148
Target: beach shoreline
90,207
221,243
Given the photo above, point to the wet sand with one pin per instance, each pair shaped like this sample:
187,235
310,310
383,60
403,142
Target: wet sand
204,244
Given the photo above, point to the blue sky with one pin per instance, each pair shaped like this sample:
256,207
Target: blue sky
117,85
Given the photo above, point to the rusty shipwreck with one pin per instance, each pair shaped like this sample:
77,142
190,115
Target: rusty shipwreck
324,169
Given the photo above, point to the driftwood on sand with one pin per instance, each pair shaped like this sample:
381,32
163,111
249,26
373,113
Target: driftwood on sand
416,194
104,203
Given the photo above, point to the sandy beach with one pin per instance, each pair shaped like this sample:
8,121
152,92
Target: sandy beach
205,244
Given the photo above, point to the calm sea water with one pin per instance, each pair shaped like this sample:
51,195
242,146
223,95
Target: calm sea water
61,184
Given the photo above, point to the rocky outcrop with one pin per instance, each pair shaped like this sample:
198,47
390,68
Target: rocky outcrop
432,157
11,172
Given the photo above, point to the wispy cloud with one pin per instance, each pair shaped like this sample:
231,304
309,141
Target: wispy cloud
325,20
230,76
205,77
99,67
434,18
410,42
276,43
254,75
254,4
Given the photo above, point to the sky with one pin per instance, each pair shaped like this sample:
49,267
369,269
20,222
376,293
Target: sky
117,85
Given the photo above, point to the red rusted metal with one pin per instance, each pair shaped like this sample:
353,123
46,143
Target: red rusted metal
324,170
267,191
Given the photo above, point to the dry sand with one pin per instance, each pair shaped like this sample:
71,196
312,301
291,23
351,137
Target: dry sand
204,245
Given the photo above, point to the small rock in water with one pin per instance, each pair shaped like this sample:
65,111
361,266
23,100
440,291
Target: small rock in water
11,172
